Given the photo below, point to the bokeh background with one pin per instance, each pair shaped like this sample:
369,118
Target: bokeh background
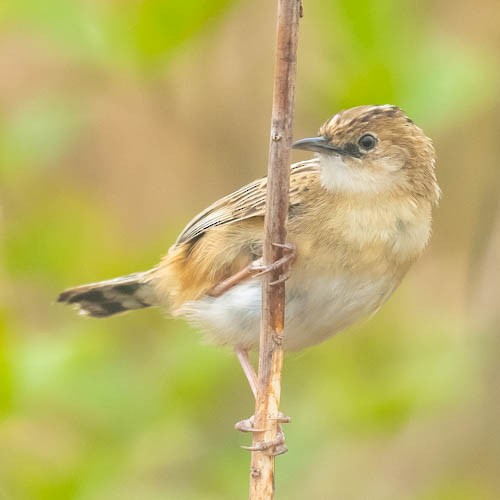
119,120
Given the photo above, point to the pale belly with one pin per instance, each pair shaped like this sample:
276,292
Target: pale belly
316,310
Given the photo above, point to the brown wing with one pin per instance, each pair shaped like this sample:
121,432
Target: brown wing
232,238
247,202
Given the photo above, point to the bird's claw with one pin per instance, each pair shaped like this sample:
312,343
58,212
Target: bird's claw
247,425
290,254
273,447
281,418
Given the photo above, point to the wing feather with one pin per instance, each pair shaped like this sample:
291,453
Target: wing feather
248,201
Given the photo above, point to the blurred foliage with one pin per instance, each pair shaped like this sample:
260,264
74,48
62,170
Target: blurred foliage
394,51
119,119
36,135
135,33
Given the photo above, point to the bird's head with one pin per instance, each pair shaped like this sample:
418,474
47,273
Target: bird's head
375,149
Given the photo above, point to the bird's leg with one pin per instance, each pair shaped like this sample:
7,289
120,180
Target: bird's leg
248,369
225,285
277,445
285,263
256,269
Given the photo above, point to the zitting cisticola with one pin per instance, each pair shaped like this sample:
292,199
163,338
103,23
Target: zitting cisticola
359,216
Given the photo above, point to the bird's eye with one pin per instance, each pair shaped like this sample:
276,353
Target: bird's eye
367,141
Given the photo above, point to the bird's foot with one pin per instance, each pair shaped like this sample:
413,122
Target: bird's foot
284,263
256,269
272,447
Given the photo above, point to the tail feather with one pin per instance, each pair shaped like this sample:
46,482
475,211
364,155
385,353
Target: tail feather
106,298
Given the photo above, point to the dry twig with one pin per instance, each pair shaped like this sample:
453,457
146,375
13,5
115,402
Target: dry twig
273,305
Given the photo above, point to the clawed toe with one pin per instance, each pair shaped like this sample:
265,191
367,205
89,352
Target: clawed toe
282,418
284,263
247,425
273,447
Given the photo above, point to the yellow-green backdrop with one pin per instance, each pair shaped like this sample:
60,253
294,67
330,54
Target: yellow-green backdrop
120,119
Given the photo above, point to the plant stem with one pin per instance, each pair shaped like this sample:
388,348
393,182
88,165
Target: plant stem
273,297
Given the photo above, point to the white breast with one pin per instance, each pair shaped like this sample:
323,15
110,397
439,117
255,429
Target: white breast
314,311
338,177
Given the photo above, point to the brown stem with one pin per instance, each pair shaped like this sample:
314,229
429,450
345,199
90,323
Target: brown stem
273,297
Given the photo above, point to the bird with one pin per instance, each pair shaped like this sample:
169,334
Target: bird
359,216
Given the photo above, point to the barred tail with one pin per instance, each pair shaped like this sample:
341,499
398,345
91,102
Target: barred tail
114,296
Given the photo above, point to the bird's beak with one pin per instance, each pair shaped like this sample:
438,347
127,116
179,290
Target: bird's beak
316,144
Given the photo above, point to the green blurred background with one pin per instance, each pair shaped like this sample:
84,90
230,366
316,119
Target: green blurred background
119,120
